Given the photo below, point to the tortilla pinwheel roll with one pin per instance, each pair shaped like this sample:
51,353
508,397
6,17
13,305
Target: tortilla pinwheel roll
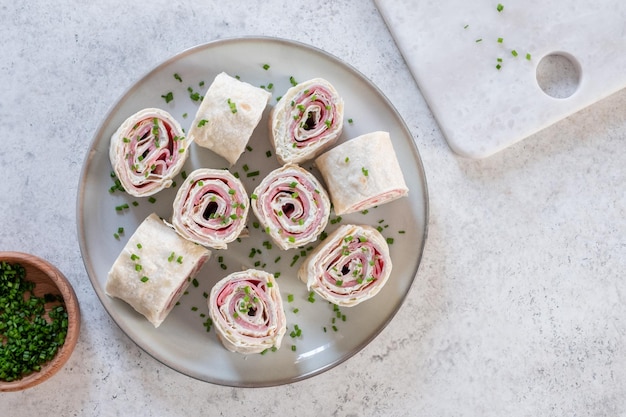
154,269
306,120
350,266
210,208
292,206
229,113
247,311
147,151
362,172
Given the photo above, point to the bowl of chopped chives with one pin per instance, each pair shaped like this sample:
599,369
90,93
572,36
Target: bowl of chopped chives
39,320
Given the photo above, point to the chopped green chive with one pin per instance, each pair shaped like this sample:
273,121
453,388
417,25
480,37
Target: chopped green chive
233,106
499,7
168,97
202,122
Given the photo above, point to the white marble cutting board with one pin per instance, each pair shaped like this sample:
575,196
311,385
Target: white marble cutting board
452,49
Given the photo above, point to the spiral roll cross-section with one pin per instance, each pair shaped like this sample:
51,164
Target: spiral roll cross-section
211,208
247,311
147,151
350,266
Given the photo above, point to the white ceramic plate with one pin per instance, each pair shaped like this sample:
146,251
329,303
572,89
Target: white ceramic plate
182,341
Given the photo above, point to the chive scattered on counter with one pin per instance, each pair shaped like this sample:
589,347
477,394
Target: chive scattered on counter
499,7
514,52
152,200
293,81
195,282
144,279
528,57
266,67
176,76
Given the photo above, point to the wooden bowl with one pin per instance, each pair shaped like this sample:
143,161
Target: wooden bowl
48,280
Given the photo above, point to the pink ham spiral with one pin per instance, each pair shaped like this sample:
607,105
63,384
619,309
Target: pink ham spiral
210,208
247,311
306,120
147,151
292,206
350,266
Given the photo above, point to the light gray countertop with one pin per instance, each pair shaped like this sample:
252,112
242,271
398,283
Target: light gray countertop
517,308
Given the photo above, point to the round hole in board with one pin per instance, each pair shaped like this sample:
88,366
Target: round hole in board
558,74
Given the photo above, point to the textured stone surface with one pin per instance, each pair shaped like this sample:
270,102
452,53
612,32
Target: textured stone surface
518,306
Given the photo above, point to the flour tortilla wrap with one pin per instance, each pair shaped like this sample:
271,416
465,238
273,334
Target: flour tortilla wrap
147,151
292,206
348,267
247,311
362,173
210,208
229,113
306,120
154,269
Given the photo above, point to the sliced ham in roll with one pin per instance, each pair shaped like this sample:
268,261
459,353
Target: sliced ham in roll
306,120
362,173
227,116
147,151
247,311
210,208
154,269
292,206
350,266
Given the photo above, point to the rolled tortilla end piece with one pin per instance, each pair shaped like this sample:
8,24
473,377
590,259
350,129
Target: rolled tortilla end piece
211,208
147,151
247,312
292,206
228,114
348,267
154,268
307,120
362,173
